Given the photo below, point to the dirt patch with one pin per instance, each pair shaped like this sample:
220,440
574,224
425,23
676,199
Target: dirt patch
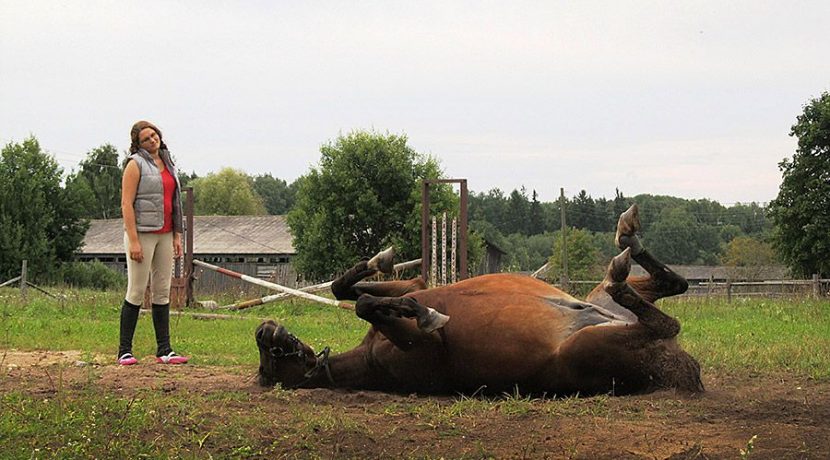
790,417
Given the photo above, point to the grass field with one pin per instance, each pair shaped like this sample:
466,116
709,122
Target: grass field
746,335
92,412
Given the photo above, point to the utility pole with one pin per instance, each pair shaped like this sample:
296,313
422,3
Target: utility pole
563,280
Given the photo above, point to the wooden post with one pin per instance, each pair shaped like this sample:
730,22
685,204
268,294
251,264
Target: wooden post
24,279
729,290
710,285
188,250
563,281
462,246
816,286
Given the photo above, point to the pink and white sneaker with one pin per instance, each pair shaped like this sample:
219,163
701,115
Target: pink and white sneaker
127,359
171,358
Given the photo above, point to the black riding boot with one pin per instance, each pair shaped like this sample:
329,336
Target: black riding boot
129,319
161,323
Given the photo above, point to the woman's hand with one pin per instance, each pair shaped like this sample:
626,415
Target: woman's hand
136,253
177,245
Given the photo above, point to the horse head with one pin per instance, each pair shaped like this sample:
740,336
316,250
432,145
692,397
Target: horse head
283,358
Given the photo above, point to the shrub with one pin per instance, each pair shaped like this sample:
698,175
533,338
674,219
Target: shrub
93,275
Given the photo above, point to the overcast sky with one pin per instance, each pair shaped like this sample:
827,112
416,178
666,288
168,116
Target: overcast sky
690,99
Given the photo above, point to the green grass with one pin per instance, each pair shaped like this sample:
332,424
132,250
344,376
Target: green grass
744,337
89,321
757,335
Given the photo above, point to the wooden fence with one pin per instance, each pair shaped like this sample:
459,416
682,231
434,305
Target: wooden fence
815,287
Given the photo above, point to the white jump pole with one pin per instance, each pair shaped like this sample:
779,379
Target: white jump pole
276,287
316,287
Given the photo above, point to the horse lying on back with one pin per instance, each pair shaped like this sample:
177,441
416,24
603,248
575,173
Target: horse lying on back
495,333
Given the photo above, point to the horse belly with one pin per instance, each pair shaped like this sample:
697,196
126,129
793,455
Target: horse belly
504,344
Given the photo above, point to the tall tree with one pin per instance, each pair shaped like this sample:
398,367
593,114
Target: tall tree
676,237
226,193
536,221
801,211
585,260
41,220
185,178
277,195
364,195
490,207
581,212
518,211
102,174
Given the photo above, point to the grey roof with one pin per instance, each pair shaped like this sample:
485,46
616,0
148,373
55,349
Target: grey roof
721,272
212,235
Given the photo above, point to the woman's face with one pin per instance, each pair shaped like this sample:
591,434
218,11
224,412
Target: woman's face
149,140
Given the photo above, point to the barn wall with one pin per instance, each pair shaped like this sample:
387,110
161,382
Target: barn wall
209,281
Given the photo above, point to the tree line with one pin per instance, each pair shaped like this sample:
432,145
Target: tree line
365,194
677,230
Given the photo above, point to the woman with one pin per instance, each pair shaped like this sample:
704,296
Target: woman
151,206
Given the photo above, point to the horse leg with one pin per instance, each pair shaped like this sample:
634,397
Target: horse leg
658,324
662,281
349,286
391,316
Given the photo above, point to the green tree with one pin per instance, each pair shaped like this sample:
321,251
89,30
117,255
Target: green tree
746,251
518,212
752,255
277,195
490,207
100,173
751,218
801,211
677,238
226,193
41,221
185,178
585,261
536,221
364,195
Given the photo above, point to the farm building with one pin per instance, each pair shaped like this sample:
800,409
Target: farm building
696,274
492,259
254,245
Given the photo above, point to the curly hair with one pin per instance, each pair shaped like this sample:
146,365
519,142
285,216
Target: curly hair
135,142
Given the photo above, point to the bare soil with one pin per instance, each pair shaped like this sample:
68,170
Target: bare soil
790,416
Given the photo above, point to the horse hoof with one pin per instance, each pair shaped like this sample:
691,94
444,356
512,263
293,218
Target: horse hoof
383,261
432,321
629,221
620,266
627,227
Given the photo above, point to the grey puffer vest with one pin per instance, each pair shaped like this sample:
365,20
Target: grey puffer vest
149,197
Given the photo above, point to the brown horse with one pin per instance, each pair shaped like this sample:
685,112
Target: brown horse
497,333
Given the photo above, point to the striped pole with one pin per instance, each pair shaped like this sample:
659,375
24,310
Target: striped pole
316,287
444,249
276,287
452,258
433,276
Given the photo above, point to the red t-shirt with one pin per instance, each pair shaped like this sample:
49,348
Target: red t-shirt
169,184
